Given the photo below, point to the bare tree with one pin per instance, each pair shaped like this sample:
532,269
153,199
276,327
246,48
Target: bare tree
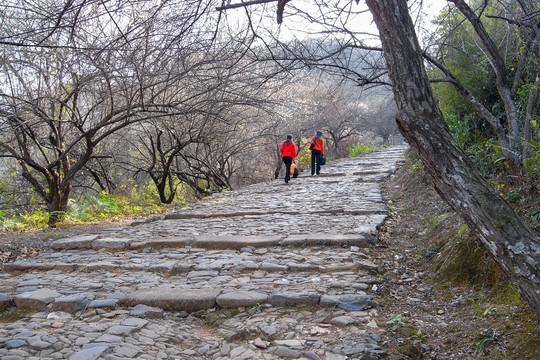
381,117
67,91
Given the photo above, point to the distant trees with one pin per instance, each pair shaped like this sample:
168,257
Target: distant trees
94,95
381,118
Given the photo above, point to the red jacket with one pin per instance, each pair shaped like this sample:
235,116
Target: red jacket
319,144
288,150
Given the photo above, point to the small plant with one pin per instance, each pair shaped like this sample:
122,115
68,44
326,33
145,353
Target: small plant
486,339
395,321
481,313
257,308
462,229
419,337
417,168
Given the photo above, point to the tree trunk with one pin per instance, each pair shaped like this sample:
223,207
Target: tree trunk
59,206
511,243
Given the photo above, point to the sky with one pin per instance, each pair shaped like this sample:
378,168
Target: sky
302,26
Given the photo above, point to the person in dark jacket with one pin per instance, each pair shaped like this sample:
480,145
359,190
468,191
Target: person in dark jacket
317,150
288,153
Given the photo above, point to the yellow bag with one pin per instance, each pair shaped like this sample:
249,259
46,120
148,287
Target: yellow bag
294,170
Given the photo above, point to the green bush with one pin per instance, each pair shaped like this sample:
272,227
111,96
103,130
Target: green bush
27,221
360,149
140,200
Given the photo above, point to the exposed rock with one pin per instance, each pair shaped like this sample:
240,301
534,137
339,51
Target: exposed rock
173,299
236,299
35,300
294,299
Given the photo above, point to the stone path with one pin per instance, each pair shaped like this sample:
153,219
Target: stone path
269,271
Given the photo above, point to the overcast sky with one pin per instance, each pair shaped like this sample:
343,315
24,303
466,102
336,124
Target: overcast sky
297,24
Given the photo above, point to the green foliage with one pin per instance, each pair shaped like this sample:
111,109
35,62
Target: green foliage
532,164
419,337
486,337
109,205
417,168
395,321
143,200
467,61
27,221
359,149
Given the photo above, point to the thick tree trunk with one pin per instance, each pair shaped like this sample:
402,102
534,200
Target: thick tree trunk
511,243
59,206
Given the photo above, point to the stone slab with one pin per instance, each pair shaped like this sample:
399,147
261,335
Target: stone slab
173,299
294,240
147,311
71,303
347,302
235,299
90,353
303,267
110,243
367,265
197,215
76,242
102,265
170,242
28,265
103,304
235,242
294,299
359,240
35,300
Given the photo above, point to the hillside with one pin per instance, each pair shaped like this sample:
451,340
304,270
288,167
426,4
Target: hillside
443,296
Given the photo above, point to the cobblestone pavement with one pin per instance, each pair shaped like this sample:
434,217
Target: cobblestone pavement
269,271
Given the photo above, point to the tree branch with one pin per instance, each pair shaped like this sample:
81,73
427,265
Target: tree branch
243,4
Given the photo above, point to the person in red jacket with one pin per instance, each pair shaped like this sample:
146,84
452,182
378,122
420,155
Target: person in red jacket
317,150
288,153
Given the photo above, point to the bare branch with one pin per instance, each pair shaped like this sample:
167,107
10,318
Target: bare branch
243,4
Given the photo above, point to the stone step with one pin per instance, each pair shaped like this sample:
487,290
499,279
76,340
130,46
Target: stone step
189,300
204,215
364,238
262,272
193,300
177,267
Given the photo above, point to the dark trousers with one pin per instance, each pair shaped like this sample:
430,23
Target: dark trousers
315,158
288,161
